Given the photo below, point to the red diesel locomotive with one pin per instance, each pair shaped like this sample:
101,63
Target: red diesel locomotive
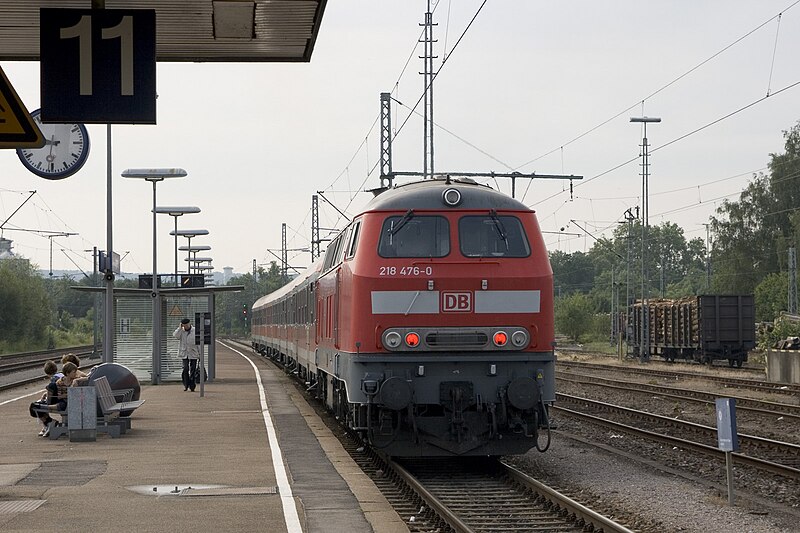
428,325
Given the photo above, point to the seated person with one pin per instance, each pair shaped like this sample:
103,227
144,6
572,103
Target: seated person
48,397
72,358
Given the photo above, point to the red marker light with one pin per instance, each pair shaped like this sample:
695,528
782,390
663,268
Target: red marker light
500,338
412,339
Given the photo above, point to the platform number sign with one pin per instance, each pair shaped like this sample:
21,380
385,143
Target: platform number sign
98,66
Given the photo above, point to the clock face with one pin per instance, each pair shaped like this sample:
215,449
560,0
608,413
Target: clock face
63,154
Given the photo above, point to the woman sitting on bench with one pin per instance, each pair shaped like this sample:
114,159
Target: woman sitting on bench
48,398
57,394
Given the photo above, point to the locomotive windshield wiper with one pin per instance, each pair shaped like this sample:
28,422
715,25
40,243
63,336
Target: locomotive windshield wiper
394,229
498,225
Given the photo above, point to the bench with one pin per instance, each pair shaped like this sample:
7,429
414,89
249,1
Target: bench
112,408
110,422
56,428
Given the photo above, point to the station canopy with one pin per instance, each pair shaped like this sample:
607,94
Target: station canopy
189,30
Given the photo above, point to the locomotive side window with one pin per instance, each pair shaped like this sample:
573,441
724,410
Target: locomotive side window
414,236
353,242
492,235
332,253
344,238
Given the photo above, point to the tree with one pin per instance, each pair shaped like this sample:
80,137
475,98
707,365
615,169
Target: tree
25,312
753,233
230,305
571,272
771,296
573,315
64,299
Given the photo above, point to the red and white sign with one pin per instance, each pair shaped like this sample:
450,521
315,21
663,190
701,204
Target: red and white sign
456,302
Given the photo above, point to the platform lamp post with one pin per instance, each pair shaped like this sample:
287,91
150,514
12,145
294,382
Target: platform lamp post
206,270
196,262
644,350
189,234
176,211
154,175
193,249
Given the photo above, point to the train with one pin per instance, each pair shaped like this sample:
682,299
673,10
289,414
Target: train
702,328
427,327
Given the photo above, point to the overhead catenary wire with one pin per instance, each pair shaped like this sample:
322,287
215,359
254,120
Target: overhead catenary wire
774,53
444,61
660,89
561,147
750,173
673,141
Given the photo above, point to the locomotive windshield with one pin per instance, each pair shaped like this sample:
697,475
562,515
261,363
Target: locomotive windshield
492,235
414,236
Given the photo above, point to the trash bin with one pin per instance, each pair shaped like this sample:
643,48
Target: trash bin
82,414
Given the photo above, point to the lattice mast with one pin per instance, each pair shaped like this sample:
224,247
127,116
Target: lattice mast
386,140
284,254
428,76
315,240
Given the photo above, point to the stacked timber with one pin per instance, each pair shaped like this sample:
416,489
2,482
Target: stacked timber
671,321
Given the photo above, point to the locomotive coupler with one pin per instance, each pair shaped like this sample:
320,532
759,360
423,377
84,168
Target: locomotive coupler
457,421
493,417
414,431
385,424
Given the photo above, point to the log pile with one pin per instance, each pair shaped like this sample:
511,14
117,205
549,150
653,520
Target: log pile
671,322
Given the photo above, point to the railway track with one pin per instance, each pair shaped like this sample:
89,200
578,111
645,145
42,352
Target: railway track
468,495
792,390
474,495
683,394
23,361
764,454
18,370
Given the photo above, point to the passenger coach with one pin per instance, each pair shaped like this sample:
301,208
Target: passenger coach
428,325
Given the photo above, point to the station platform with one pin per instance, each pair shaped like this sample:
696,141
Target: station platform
250,455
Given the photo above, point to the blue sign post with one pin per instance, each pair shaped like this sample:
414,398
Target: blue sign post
726,436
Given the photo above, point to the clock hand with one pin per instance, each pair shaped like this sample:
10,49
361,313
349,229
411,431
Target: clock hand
50,156
48,141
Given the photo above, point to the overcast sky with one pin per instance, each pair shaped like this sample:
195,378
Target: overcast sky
526,80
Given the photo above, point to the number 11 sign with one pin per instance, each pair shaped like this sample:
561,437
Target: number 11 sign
98,66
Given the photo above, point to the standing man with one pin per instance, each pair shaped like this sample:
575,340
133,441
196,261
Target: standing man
188,352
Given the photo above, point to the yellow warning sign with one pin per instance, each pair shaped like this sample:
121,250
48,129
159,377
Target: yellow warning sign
175,311
17,129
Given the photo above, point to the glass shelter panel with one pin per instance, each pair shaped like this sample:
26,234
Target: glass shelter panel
133,340
174,309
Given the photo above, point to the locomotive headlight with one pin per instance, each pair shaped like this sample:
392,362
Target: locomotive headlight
392,339
519,338
451,197
412,339
500,338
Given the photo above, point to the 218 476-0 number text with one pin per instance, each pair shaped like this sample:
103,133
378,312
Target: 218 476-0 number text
405,271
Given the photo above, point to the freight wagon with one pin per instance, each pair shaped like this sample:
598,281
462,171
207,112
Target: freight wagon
700,328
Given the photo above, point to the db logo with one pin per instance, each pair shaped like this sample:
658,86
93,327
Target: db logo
456,302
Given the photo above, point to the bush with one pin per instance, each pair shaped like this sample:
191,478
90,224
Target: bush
573,316
784,327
